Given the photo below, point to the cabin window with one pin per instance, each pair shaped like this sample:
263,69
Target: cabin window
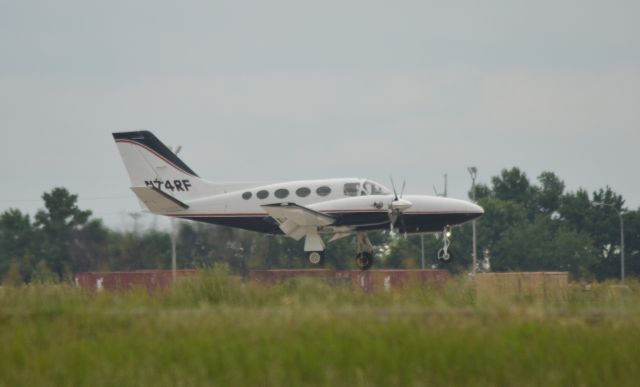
303,192
323,190
246,195
351,189
262,194
281,193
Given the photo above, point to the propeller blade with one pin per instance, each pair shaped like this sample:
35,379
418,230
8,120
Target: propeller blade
404,184
393,185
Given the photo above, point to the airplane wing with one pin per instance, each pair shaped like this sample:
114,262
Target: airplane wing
158,201
295,220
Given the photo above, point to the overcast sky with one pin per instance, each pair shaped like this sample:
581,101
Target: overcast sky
273,90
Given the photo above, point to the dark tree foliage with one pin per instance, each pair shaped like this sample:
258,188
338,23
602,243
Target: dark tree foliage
550,192
529,227
58,226
63,239
17,247
525,227
512,185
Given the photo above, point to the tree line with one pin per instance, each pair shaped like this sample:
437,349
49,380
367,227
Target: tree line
526,226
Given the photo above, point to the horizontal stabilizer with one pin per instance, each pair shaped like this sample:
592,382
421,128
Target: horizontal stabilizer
158,201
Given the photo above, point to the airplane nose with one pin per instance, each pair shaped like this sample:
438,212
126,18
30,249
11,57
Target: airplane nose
476,209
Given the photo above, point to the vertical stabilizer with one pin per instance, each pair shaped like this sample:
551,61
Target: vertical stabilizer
150,163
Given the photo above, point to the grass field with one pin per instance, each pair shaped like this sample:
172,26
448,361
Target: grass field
213,330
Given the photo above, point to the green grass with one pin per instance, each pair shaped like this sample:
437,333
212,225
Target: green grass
214,330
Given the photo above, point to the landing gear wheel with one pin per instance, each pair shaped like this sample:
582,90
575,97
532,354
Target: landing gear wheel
316,258
444,255
364,260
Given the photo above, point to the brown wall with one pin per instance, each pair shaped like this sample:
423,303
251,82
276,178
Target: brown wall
149,279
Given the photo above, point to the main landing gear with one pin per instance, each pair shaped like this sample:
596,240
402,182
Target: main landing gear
444,254
314,246
316,258
364,251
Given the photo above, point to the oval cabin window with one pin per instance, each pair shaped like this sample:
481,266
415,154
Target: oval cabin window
323,191
303,192
262,194
282,193
246,195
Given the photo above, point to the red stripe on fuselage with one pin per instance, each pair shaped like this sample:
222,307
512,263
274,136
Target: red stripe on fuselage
327,212
219,215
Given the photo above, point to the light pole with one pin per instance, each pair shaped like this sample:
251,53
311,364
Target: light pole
422,251
174,237
473,171
173,249
602,204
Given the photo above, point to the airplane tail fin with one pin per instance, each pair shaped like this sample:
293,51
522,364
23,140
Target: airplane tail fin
152,164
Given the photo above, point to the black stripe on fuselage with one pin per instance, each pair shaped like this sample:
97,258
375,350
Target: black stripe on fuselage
432,222
264,224
379,220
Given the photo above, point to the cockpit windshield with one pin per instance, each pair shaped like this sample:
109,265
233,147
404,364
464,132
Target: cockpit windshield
368,187
372,188
351,189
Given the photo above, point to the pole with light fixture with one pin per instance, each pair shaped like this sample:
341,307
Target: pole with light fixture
174,237
473,171
422,251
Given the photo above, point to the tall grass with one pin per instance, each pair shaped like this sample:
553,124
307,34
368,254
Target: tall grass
216,330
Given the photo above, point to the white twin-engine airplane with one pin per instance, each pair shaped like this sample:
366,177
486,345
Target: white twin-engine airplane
165,185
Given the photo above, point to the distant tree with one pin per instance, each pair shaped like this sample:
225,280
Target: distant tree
597,217
204,245
549,195
404,253
43,275
577,209
58,226
341,254
88,249
18,242
544,245
133,251
525,227
499,216
529,227
632,242
483,191
513,185
13,277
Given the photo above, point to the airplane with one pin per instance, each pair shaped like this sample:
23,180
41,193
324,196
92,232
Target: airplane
303,209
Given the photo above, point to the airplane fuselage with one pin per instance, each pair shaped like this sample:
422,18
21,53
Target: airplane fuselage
353,208
302,209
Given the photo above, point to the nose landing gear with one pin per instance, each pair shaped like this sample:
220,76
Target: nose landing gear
364,251
444,254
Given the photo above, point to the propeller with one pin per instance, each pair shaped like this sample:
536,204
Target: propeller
397,206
